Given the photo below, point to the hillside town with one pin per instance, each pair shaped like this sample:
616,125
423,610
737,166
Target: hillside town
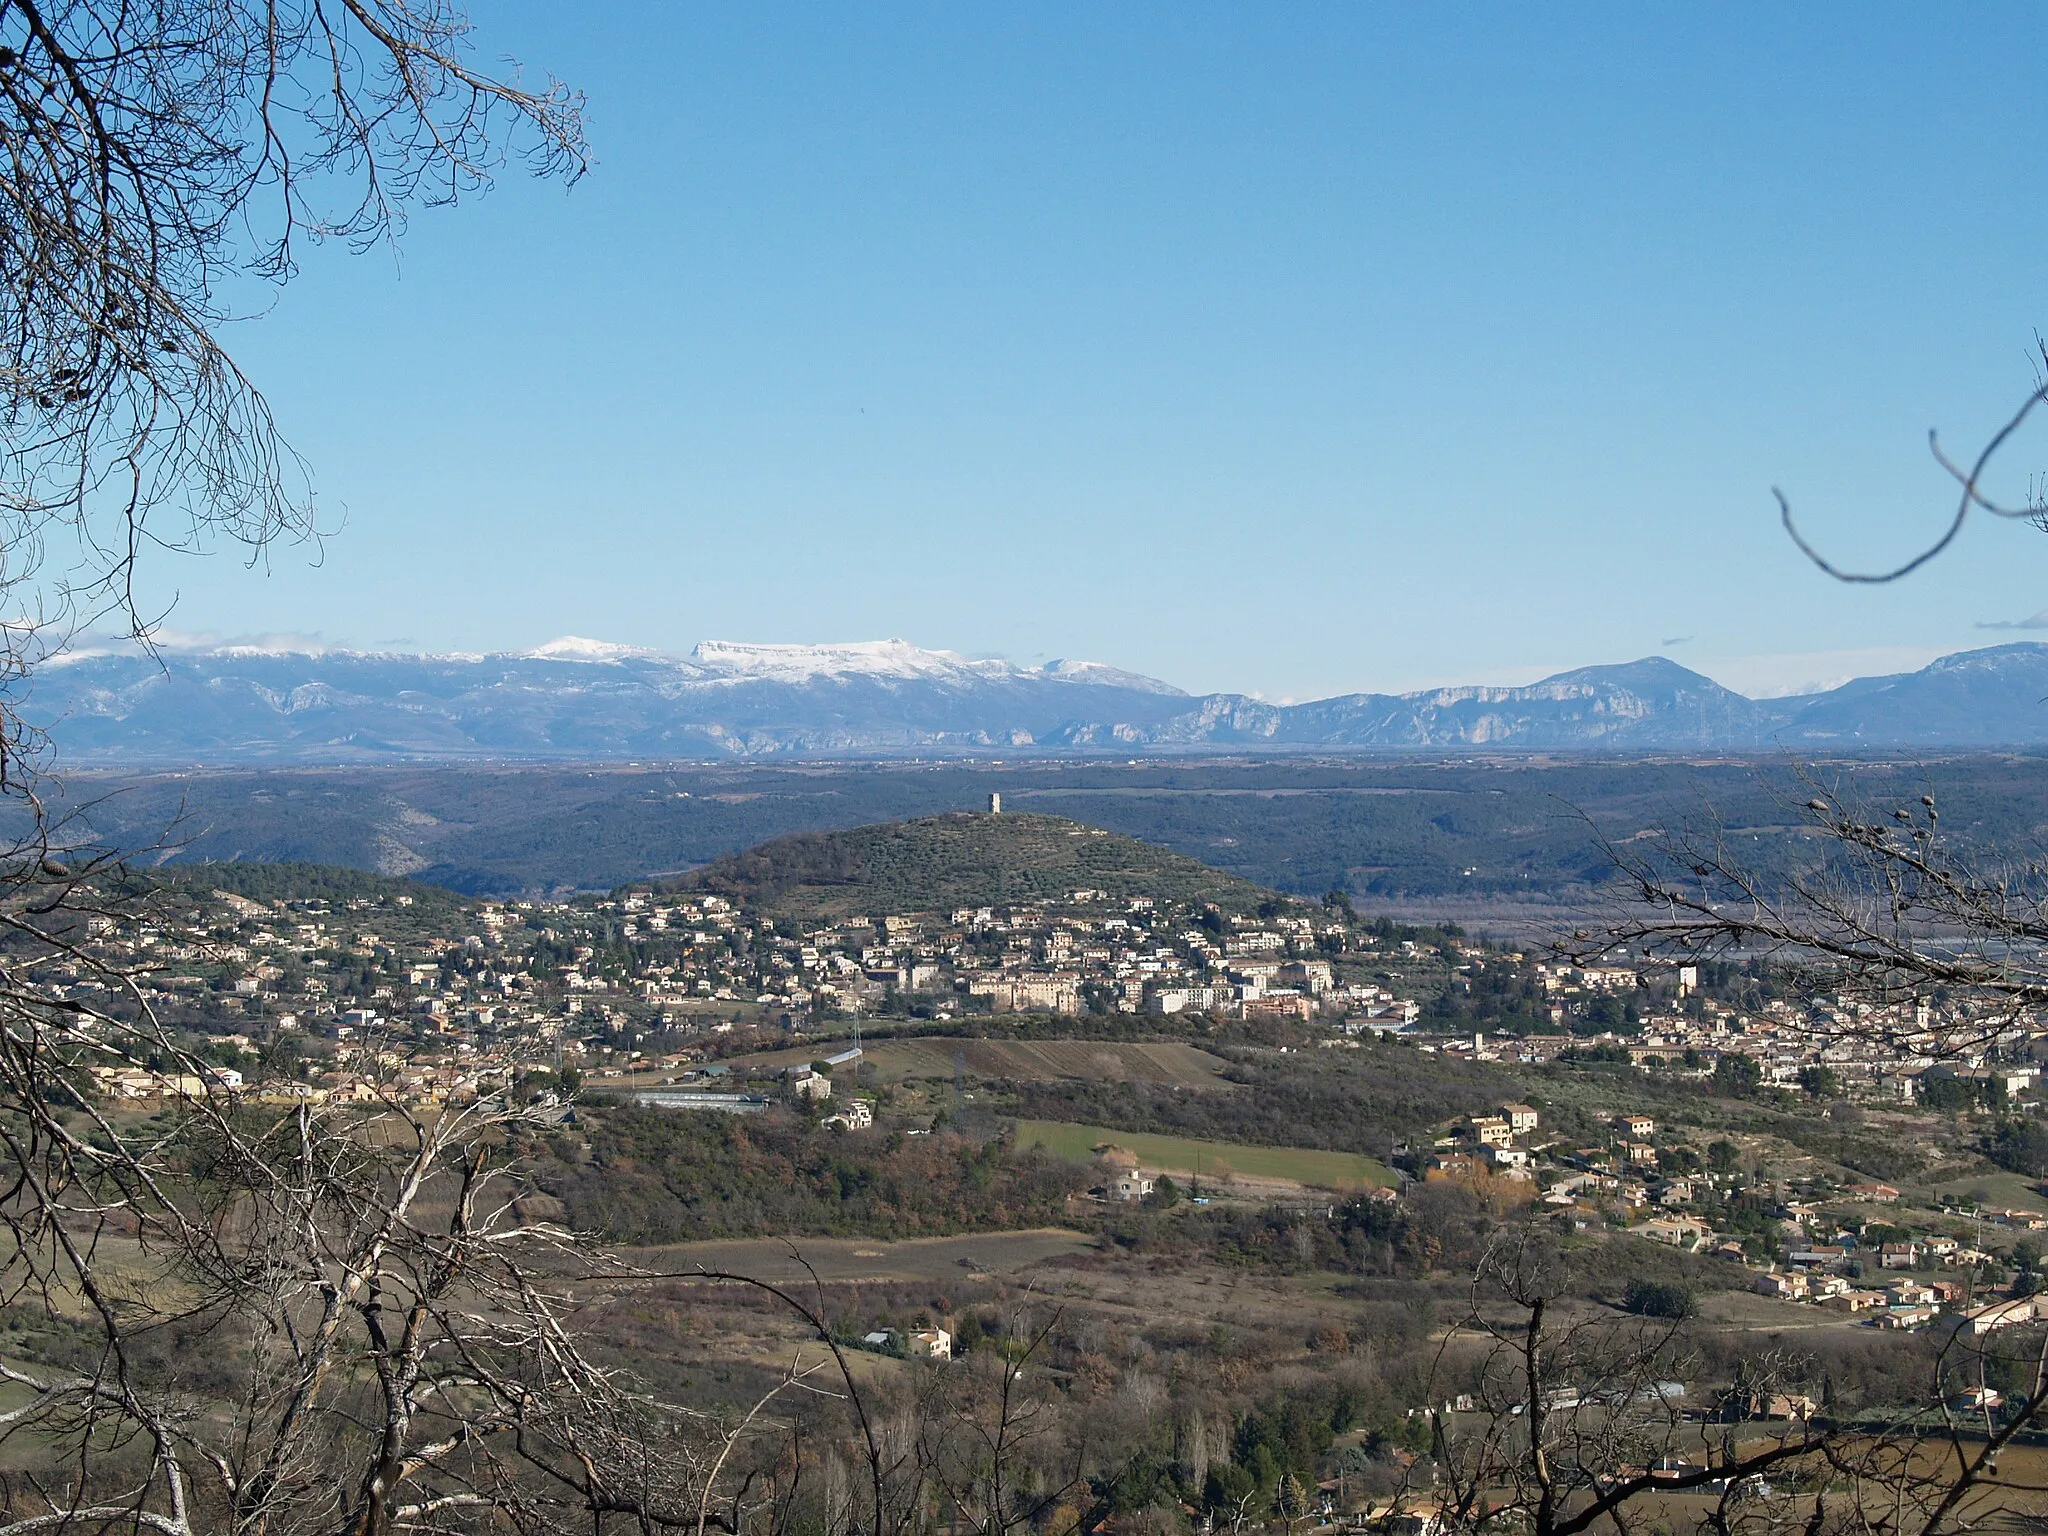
458,993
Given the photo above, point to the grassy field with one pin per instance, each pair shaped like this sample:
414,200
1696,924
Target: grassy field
1217,1160
2001,1189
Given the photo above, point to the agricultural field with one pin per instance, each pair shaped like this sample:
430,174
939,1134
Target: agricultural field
1166,1063
1219,1162
846,1258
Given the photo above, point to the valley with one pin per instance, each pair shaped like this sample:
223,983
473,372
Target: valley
1519,836
990,1086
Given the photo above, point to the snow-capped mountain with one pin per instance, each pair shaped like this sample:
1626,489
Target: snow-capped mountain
573,698
581,699
799,664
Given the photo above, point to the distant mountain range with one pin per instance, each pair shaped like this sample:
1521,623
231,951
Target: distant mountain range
583,700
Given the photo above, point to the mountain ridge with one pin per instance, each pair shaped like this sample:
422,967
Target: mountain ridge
579,699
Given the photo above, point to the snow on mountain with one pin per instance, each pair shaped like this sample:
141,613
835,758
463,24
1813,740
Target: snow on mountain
797,664
1107,677
578,648
857,658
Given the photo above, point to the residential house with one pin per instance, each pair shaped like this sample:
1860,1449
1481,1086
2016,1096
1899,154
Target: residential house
1790,1287
858,1115
1676,1232
1817,1256
2001,1314
929,1344
1785,1405
1492,1130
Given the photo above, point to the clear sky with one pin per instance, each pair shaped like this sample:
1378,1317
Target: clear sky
1289,349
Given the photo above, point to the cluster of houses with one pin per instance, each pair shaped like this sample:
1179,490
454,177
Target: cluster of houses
1135,956
1623,1183
1870,1053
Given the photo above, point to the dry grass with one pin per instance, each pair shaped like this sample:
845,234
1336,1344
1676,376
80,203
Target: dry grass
1222,1163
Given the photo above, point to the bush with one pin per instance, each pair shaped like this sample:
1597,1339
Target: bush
1661,1298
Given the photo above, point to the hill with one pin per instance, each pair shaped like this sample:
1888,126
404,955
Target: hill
937,863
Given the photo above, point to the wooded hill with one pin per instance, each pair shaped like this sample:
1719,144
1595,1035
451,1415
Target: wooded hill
939,863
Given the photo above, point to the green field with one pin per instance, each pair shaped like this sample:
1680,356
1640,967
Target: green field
1209,1159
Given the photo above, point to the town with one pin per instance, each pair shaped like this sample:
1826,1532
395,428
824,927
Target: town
460,994
414,994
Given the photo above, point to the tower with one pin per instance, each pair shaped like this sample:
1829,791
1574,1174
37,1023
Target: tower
995,803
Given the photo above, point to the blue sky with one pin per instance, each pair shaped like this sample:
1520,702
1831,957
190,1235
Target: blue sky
1282,349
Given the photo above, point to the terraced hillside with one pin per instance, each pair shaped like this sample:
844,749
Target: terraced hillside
939,863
